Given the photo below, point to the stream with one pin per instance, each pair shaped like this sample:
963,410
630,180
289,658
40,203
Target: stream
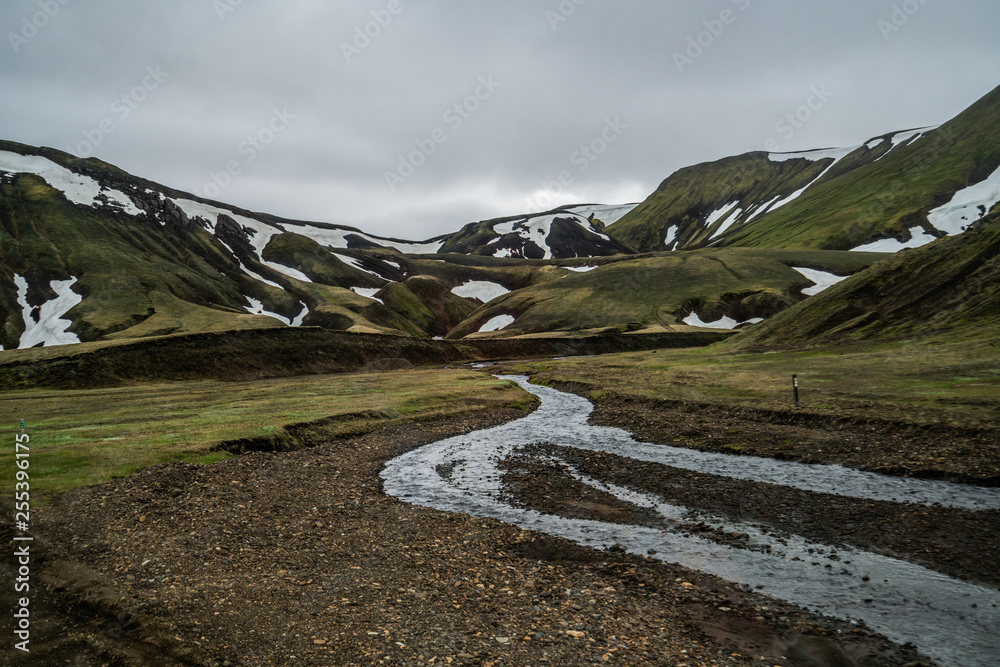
955,622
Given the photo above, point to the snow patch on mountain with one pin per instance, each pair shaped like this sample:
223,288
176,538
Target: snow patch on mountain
247,270
77,188
196,209
668,240
257,276
336,238
297,322
536,230
727,221
504,228
581,269
967,206
902,139
918,237
821,279
497,323
837,155
730,217
761,209
483,290
718,214
261,233
286,270
905,137
368,293
814,156
723,323
355,263
333,237
257,308
49,328
608,214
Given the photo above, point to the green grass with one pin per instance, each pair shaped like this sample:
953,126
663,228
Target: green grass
83,437
947,288
690,194
923,382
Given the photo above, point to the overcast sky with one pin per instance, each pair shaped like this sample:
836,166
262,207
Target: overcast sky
313,116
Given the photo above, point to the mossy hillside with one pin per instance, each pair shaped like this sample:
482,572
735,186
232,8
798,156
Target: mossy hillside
887,197
660,290
427,303
869,194
473,236
141,279
315,261
454,270
127,270
950,287
408,306
687,197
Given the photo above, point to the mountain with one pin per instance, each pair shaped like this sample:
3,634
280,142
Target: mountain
899,189
572,231
91,253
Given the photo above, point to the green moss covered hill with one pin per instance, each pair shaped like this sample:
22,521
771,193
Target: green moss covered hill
883,188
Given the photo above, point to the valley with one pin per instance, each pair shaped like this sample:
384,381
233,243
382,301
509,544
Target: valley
555,437
317,482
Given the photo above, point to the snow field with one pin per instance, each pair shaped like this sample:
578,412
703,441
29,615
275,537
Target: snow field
483,290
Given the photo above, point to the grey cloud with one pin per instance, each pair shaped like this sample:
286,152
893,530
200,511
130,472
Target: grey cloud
354,119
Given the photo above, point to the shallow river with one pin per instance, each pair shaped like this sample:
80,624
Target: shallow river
954,622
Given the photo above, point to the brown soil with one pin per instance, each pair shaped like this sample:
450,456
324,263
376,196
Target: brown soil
298,558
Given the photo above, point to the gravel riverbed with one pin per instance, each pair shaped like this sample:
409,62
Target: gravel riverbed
300,559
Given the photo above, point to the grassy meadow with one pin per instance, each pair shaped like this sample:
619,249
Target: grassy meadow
955,382
84,437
